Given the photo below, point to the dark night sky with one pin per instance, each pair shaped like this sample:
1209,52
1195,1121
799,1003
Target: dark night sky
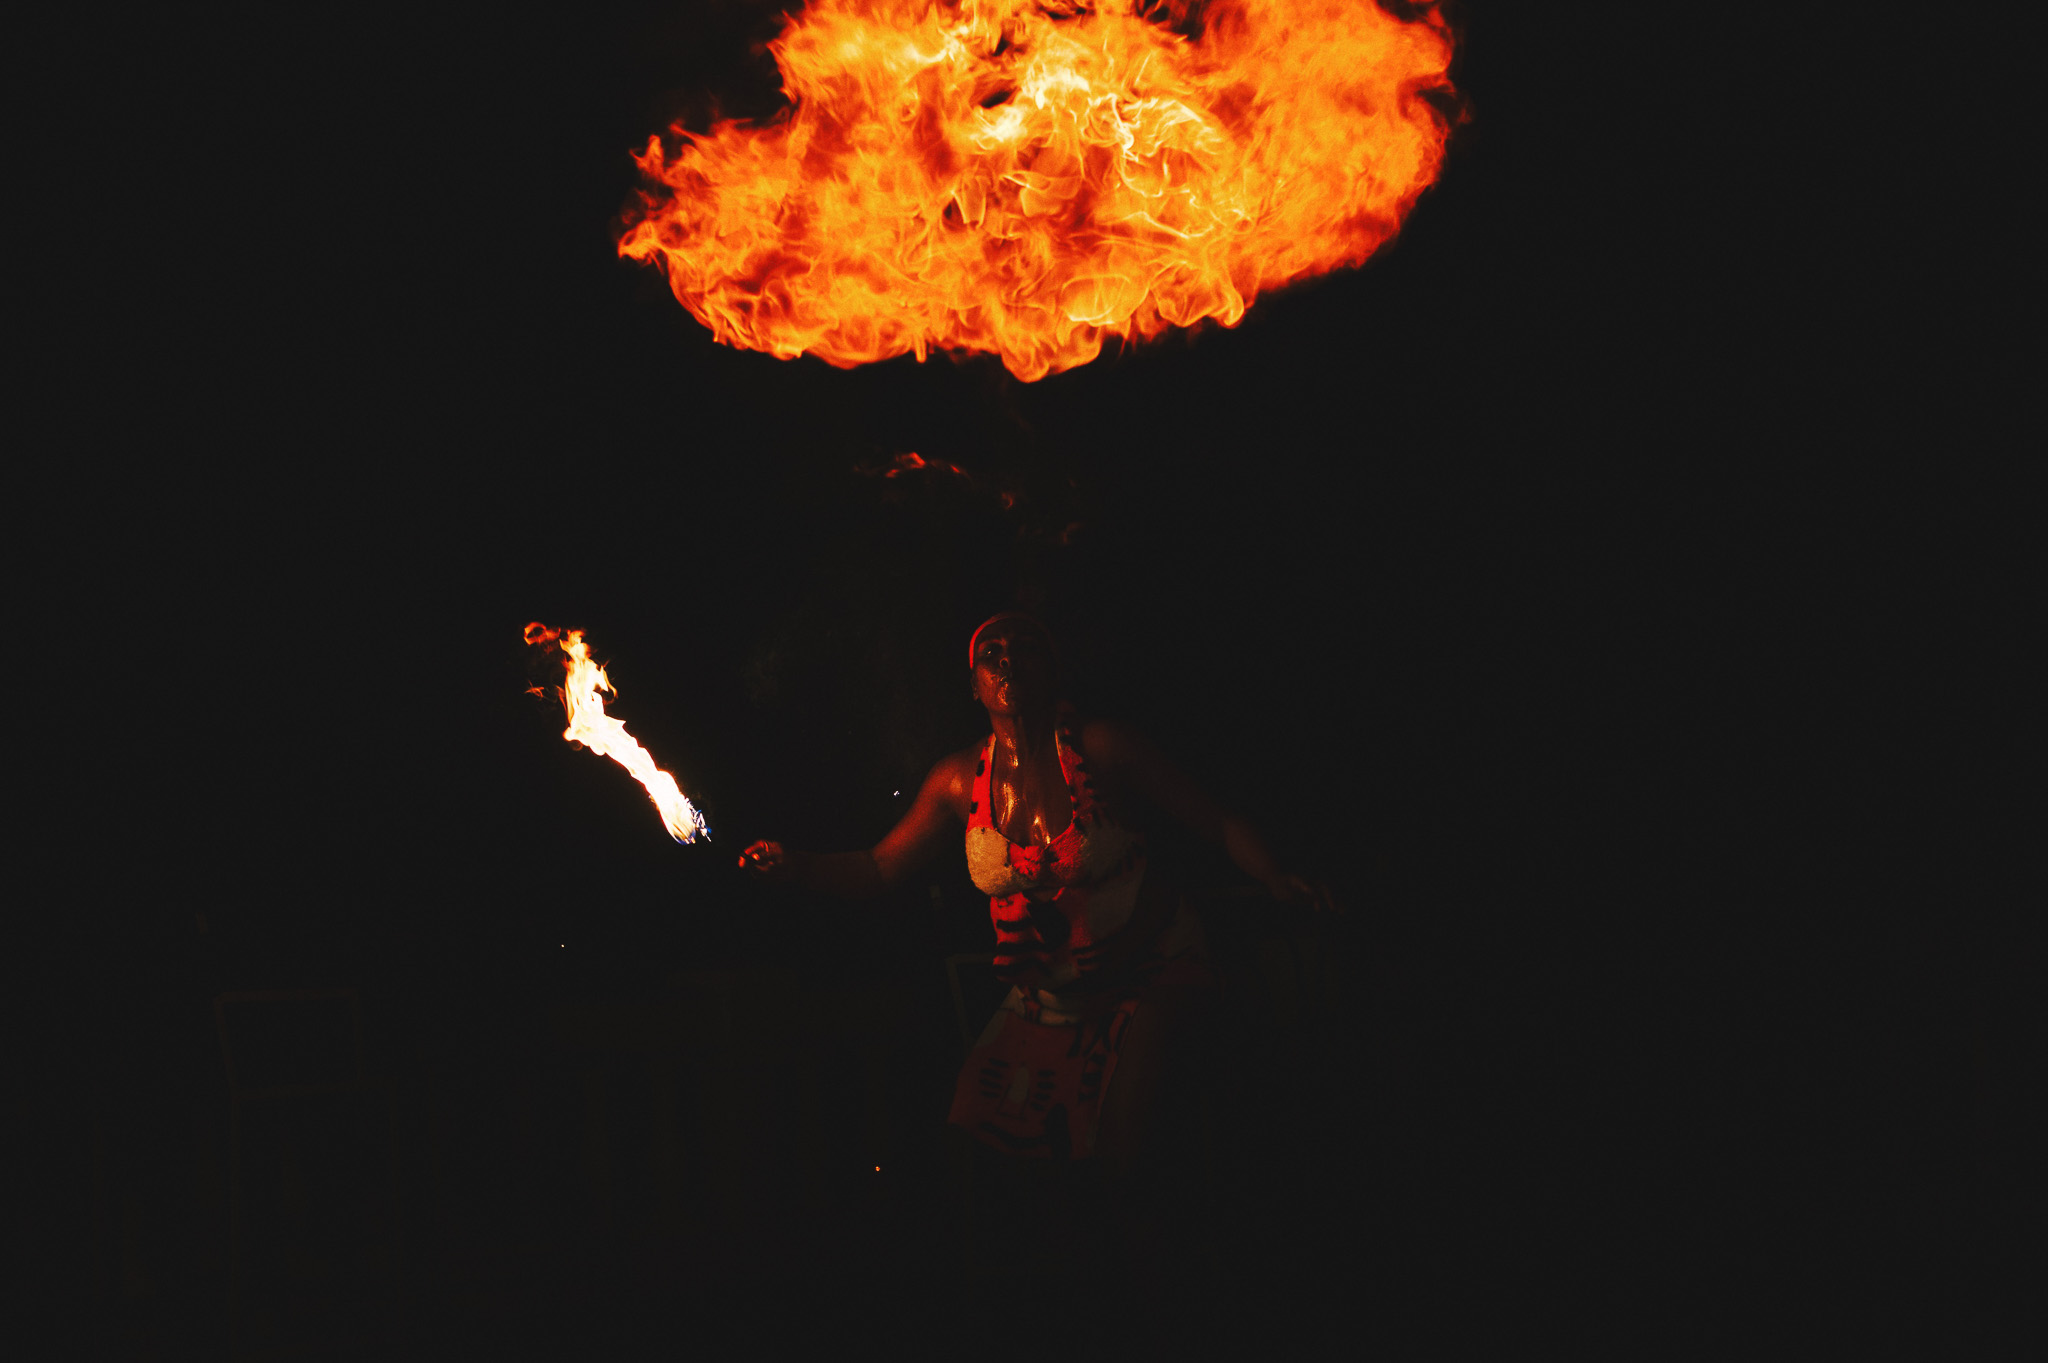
1580,584
1569,507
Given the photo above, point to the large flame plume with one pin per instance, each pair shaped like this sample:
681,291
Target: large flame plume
590,726
1028,178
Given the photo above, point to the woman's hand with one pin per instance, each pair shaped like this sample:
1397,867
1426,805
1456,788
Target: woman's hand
842,875
770,861
1292,889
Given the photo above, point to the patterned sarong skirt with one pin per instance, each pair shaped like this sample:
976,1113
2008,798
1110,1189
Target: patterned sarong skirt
1035,1087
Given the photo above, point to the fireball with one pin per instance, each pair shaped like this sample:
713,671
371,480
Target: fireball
1028,180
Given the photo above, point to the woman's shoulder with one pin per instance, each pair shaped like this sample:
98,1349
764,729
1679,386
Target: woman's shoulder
955,772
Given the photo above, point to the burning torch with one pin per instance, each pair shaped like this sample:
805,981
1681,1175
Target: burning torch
580,681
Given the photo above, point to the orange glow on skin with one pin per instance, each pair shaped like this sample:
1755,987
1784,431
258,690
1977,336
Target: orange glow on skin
978,176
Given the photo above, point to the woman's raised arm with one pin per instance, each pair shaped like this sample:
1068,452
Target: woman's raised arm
939,809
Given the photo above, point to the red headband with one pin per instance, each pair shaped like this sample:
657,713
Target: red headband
1006,615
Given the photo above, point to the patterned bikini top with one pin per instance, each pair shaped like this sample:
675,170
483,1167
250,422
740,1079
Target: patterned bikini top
1090,850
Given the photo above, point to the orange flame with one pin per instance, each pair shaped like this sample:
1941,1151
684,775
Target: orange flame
590,726
1027,178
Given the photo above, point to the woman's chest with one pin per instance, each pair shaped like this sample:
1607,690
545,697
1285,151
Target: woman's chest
1029,804
1032,803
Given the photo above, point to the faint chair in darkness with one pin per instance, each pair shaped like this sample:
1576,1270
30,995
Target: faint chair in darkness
282,1048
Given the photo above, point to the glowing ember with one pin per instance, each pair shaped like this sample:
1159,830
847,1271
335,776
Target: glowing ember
590,726
913,461
1029,177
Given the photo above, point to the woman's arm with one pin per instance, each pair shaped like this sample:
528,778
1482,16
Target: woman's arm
939,809
1119,752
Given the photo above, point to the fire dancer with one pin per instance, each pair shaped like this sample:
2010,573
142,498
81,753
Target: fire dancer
1110,979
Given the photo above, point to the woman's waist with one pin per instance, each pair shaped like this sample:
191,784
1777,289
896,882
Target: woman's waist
1049,888
1077,977
1083,920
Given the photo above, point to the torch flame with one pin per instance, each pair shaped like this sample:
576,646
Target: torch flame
1028,178
590,726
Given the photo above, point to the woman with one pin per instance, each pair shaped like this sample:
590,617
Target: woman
1107,964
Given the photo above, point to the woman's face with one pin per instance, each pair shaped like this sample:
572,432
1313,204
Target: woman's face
1013,668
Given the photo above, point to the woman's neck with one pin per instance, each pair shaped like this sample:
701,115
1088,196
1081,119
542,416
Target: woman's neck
1026,735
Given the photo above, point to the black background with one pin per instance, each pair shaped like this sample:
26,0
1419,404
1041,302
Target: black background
1591,588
